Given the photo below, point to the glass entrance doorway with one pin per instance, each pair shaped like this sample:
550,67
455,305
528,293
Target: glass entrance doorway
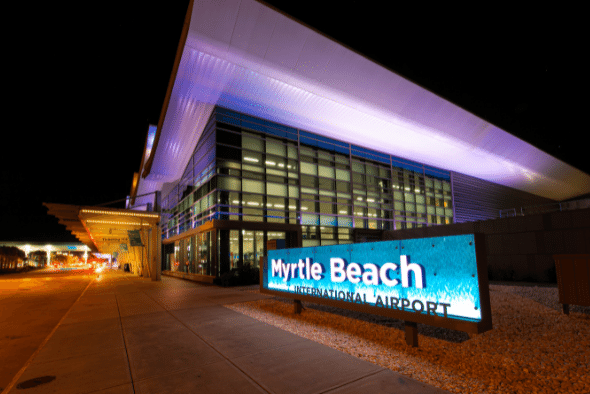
253,247
221,246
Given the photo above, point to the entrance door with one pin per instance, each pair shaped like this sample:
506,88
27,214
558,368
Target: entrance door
253,247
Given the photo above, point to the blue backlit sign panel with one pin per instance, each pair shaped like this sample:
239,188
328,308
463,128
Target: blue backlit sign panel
429,280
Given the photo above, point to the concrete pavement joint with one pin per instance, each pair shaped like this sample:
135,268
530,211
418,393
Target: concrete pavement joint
352,381
212,347
125,341
30,360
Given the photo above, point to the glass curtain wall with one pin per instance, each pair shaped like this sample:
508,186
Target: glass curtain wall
326,186
234,248
253,247
249,169
204,246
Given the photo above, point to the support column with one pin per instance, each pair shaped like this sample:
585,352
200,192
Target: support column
144,255
148,255
156,251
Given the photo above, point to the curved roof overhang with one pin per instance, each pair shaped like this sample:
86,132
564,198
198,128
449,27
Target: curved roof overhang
245,56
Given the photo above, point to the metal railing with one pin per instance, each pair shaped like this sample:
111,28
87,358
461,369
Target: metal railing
545,208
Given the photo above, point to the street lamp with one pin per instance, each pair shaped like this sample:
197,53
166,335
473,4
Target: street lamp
27,251
48,251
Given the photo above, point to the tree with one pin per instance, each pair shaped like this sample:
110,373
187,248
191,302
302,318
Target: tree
10,256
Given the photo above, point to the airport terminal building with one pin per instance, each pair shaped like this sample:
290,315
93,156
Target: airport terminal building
272,131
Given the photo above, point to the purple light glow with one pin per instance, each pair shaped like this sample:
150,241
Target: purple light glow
242,53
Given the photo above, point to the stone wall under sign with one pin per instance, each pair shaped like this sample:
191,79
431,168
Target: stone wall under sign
519,248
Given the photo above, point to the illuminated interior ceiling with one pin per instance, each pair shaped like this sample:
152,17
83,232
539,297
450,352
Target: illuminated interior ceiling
102,229
247,57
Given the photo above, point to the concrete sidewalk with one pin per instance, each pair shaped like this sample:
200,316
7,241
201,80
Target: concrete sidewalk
130,335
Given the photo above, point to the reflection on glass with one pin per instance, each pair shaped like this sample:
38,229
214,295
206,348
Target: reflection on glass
253,247
278,234
234,248
258,247
204,247
248,247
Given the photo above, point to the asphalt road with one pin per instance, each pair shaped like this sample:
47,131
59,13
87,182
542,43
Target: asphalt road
31,305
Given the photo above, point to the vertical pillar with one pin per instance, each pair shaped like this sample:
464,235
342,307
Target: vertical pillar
133,264
147,270
224,262
193,256
214,253
144,258
155,255
241,248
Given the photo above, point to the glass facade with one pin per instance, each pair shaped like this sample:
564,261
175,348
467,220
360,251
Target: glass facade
246,169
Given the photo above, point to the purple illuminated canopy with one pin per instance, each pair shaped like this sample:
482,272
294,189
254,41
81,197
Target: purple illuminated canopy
249,58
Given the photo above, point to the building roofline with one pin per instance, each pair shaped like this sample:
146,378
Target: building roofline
234,55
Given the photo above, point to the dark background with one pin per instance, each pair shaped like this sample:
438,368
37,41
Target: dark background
85,81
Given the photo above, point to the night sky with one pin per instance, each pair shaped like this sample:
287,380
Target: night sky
86,82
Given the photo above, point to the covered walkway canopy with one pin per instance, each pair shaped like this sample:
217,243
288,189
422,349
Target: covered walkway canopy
131,236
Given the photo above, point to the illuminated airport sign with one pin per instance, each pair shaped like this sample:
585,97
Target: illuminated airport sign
440,281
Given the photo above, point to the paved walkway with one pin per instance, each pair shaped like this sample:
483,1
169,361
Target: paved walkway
130,335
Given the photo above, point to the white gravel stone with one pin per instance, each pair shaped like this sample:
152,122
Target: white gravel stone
532,348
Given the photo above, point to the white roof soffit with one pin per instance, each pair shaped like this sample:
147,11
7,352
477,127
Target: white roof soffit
249,58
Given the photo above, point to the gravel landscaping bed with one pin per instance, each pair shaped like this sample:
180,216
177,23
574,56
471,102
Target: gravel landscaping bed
533,347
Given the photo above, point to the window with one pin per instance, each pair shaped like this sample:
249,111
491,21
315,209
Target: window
277,189
326,184
358,178
234,248
227,152
309,232
371,170
308,168
253,215
309,181
327,232
342,186
327,208
252,186
309,152
358,167
229,138
275,147
292,152
343,175
326,172
252,158
309,219
229,183
341,159
308,206
249,141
